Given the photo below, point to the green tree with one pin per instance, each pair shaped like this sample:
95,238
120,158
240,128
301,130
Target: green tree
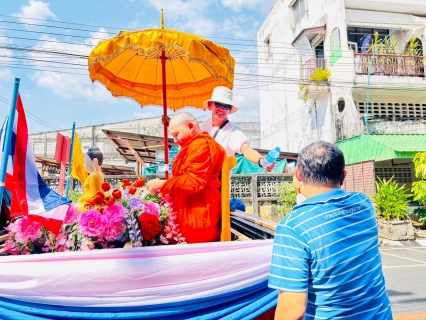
288,194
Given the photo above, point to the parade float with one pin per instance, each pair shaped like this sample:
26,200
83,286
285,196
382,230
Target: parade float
81,270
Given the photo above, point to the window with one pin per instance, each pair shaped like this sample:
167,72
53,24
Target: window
355,34
268,48
402,174
335,39
335,47
393,111
341,105
298,10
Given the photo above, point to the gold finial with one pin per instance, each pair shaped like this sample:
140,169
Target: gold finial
162,19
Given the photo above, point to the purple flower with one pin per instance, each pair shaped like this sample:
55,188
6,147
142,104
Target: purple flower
136,203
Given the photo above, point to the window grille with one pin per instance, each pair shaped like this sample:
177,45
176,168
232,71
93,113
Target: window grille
401,174
298,10
393,111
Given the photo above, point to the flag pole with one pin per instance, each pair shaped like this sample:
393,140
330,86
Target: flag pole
70,161
8,136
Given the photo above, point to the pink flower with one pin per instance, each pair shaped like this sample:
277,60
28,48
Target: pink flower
28,229
86,244
13,227
152,208
116,209
72,214
163,239
11,247
115,226
92,223
69,243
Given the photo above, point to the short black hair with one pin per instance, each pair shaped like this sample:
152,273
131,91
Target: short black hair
94,152
321,163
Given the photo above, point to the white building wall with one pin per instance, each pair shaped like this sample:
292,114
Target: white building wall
290,122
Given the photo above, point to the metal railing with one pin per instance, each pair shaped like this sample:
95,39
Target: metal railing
390,64
310,66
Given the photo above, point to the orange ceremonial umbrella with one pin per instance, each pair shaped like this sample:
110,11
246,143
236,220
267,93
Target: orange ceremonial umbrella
162,67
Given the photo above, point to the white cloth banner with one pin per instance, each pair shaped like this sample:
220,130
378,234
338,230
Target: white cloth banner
137,276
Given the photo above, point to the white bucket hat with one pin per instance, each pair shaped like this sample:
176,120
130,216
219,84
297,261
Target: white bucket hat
222,95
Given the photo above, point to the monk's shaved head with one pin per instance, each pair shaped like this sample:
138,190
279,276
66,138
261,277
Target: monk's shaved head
183,118
183,126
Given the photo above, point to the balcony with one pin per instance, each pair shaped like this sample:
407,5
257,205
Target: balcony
395,65
311,89
310,66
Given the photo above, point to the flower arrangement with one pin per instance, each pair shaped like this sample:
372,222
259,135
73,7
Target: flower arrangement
112,217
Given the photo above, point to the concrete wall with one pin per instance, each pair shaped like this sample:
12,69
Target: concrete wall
44,143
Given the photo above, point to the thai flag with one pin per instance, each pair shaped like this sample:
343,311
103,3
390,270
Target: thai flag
30,195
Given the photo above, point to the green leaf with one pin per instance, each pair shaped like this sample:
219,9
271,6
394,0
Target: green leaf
30,246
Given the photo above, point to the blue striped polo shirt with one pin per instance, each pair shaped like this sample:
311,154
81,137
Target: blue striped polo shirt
329,247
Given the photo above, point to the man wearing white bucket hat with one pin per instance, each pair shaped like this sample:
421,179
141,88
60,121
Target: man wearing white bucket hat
226,133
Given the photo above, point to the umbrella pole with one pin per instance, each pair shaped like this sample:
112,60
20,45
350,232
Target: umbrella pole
165,122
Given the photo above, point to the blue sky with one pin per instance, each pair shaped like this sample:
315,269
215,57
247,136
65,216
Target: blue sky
56,89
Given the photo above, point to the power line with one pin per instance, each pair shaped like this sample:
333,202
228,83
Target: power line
31,116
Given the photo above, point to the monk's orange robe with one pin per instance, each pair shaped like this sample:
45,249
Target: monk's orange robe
195,186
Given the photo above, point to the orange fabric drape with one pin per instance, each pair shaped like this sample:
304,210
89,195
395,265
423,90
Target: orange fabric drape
195,187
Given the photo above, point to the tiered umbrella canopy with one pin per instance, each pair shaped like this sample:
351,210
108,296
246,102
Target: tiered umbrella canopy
162,67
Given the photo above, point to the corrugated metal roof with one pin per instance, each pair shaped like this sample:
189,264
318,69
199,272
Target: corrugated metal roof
402,142
382,147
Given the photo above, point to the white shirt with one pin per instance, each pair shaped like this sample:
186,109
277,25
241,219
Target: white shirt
230,137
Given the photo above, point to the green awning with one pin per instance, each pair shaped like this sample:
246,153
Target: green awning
382,147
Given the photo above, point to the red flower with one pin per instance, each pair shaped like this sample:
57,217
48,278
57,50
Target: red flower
109,201
140,182
150,226
105,186
126,182
116,194
98,198
132,190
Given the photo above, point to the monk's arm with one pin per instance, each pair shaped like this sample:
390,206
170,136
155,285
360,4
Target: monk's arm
196,171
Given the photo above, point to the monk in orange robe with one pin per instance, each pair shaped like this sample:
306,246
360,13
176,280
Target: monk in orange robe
195,185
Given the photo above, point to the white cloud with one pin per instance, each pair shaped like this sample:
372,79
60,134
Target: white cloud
5,54
35,10
63,83
5,75
96,37
238,5
247,101
191,15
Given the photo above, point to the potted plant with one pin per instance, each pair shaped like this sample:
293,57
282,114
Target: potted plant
319,80
391,203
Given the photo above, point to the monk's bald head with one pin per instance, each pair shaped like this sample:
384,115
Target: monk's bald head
182,127
183,118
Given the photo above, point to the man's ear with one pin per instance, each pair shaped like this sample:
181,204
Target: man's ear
342,177
297,174
190,125
95,162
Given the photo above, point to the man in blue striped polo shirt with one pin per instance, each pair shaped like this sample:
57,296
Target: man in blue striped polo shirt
326,262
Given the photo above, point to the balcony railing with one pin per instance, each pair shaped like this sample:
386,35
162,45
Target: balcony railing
390,65
310,66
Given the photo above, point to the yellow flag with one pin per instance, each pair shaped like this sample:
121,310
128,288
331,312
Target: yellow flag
77,170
